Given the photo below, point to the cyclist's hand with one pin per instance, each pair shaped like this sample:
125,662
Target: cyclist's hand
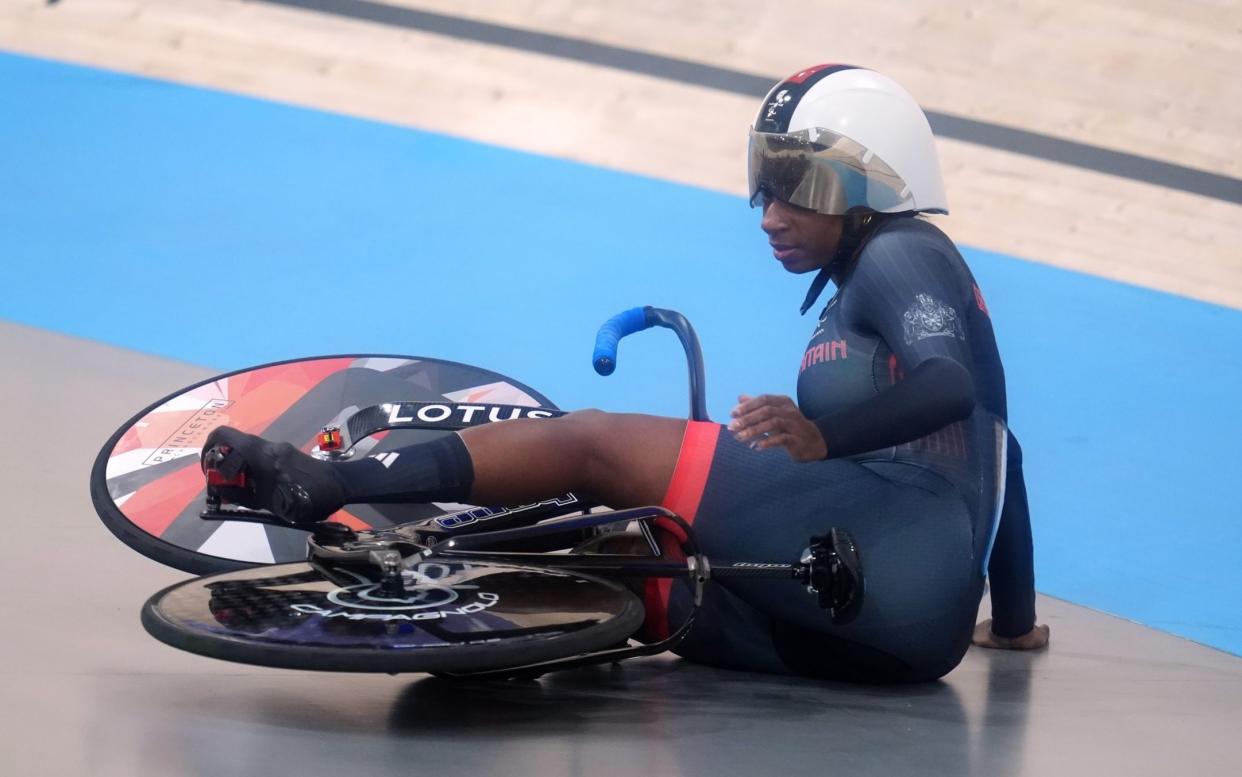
769,421
1034,639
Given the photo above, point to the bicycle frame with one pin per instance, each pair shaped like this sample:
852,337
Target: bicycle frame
828,568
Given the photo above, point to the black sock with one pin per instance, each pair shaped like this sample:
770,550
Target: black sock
437,471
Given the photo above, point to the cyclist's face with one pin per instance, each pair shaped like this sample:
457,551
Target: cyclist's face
801,239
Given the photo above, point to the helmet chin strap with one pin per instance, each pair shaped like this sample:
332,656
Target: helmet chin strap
857,229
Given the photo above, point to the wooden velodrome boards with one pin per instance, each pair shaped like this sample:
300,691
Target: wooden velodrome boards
1155,79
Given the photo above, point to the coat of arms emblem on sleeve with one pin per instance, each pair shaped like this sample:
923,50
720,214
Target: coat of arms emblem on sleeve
928,317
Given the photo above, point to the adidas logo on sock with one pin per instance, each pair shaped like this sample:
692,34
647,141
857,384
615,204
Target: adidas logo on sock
385,458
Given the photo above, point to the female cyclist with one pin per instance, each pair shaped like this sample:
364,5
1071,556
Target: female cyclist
898,434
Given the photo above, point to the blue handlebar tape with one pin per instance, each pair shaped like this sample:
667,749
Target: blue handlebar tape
615,328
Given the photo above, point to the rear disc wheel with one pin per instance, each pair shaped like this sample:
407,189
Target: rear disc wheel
459,615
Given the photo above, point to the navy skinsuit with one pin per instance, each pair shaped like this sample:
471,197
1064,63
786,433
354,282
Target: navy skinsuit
922,508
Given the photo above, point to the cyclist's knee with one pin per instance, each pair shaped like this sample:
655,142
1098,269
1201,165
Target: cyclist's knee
621,459
590,436
583,429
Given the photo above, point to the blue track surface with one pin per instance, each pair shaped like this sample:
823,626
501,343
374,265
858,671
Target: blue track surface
227,231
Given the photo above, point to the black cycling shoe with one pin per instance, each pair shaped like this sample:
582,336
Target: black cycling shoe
247,470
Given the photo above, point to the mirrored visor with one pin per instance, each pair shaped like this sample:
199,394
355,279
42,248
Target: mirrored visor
823,171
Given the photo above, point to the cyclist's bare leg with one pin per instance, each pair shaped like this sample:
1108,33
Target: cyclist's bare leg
618,459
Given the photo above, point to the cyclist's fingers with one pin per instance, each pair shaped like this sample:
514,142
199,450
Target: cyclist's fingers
750,418
765,428
750,404
763,421
771,407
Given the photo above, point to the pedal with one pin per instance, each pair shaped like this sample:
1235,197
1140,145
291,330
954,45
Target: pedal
332,533
246,516
835,574
324,532
222,470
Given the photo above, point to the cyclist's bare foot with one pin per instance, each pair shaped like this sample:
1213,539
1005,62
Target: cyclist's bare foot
1034,639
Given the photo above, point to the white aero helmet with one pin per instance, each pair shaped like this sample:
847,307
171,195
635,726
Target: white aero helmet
840,139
